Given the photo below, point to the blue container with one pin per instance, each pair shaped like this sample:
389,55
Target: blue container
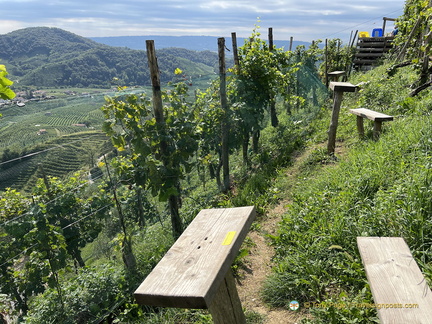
377,32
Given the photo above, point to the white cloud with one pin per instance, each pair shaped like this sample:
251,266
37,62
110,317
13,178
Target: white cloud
6,26
304,20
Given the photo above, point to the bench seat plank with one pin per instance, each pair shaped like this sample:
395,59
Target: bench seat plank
370,114
395,278
190,273
342,87
336,73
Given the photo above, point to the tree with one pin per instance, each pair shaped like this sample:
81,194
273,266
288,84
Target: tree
35,249
131,124
414,38
67,206
209,126
14,224
89,297
262,76
412,26
40,235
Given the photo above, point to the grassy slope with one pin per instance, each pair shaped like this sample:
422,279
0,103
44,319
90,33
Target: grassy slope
378,188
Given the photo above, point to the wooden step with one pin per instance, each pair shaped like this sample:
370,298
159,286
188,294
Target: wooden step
371,55
365,62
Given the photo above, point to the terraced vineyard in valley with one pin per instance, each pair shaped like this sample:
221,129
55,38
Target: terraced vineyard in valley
59,136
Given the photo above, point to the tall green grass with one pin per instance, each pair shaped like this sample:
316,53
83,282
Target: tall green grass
381,188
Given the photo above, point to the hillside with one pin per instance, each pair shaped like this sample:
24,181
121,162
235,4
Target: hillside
63,134
74,249
370,188
51,57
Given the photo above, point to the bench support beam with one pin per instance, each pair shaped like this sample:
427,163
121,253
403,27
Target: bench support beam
377,129
337,100
226,306
339,88
360,126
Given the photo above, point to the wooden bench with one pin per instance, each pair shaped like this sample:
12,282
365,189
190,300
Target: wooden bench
195,272
400,292
376,117
335,75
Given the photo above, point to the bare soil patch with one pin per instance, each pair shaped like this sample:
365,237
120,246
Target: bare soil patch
257,266
258,263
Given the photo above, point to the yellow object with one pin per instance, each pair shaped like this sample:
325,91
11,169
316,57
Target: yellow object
363,34
229,238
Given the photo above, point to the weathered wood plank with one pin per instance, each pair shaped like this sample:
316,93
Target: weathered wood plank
396,281
364,62
191,272
370,114
373,44
371,55
374,49
342,87
376,39
336,73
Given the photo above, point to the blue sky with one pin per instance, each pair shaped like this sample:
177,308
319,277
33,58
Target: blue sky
305,20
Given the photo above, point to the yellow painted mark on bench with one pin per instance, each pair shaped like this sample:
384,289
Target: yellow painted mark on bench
229,238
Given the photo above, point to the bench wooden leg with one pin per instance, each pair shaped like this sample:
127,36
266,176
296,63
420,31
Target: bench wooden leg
360,126
226,307
337,101
377,128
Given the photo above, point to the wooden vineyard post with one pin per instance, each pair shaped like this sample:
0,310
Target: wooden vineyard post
173,200
196,271
385,19
273,114
155,79
339,88
224,105
270,38
326,63
235,51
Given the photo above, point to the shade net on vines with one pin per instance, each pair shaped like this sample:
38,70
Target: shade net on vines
308,92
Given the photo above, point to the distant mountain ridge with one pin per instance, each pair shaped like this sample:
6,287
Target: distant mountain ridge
52,57
194,43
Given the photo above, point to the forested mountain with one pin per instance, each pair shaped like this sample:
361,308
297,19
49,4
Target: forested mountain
194,43
52,57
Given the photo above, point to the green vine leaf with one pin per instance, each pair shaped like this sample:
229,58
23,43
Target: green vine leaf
5,83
